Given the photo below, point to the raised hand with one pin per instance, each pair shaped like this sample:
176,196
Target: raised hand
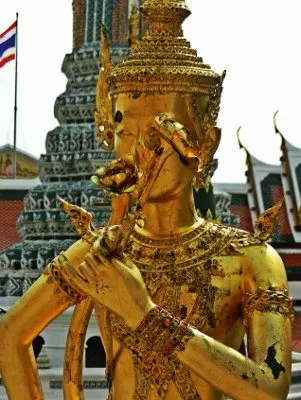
116,283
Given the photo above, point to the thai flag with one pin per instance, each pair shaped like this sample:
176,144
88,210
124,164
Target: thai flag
8,44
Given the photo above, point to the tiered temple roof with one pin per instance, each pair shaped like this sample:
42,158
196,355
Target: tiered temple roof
72,152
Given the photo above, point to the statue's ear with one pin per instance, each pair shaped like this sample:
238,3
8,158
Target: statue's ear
196,108
210,141
208,146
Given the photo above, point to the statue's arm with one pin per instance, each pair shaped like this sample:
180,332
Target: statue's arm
42,303
265,374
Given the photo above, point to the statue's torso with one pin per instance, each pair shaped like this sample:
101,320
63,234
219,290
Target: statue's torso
197,278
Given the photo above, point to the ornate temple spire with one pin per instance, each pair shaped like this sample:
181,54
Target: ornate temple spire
163,61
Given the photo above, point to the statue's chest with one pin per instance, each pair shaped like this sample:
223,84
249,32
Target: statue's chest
203,294
195,276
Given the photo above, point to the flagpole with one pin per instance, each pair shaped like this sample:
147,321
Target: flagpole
15,108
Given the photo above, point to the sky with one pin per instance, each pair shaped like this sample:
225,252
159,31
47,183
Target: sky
256,41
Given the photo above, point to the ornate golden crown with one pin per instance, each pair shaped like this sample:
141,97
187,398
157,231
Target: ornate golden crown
163,61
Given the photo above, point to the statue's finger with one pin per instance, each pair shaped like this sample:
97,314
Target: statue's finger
104,261
121,266
129,263
87,272
79,271
97,269
73,275
91,260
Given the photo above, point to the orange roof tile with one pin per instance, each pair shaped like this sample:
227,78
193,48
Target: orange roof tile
9,212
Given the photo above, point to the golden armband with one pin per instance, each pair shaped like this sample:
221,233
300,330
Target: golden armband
267,301
66,287
158,332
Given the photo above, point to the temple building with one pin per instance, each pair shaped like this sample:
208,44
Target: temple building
27,164
72,156
13,191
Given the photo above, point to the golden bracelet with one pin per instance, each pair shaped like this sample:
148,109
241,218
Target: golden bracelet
267,300
56,271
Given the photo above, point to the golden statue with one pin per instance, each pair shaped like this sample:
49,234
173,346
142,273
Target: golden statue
174,295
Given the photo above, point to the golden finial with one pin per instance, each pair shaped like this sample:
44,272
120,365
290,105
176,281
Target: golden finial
81,220
104,111
163,60
285,164
248,156
170,12
277,131
265,223
240,144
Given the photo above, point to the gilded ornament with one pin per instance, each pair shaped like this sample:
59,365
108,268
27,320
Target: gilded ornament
265,223
104,123
163,60
81,220
271,300
55,273
120,176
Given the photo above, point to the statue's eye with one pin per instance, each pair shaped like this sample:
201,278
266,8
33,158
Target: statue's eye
118,116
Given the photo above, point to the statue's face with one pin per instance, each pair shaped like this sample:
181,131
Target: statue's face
135,119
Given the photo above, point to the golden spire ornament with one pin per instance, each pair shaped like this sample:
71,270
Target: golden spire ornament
266,222
163,60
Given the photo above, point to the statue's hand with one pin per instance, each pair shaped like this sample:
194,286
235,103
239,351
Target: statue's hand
115,283
178,137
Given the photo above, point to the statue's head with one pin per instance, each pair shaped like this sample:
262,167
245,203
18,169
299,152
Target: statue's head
162,75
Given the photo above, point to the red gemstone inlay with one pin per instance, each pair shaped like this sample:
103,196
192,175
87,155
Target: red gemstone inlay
110,135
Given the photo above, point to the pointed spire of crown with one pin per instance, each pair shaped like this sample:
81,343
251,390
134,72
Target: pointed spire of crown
163,61
165,16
